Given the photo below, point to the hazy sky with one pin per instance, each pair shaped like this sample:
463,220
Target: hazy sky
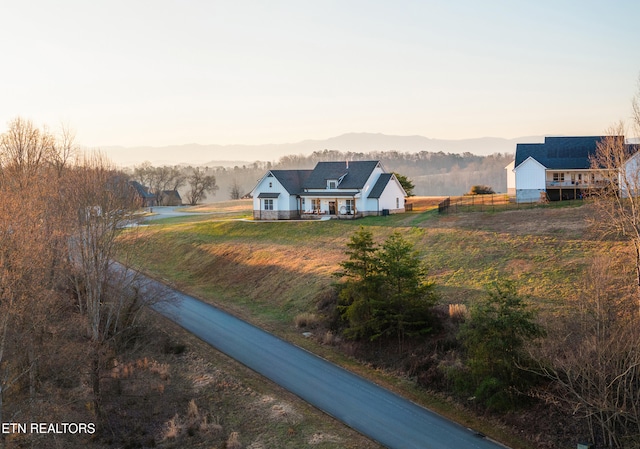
161,72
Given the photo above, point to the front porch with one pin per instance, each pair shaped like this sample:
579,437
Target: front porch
315,215
334,206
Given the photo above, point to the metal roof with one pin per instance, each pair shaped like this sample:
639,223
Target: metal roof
269,195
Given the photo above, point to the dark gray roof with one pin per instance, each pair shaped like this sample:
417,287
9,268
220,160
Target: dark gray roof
560,152
269,195
355,174
170,193
141,190
332,194
291,180
381,183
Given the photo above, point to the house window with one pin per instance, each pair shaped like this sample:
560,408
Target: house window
315,204
268,204
349,206
397,203
558,177
332,184
302,203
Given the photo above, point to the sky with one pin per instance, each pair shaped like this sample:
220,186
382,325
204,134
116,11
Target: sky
170,72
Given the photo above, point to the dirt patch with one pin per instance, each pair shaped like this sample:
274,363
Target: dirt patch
319,438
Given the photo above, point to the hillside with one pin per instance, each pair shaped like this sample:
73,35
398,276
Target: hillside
273,274
212,154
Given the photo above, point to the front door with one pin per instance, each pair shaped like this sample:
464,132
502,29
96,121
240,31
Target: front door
332,207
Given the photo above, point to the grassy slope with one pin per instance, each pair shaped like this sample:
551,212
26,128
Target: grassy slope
270,272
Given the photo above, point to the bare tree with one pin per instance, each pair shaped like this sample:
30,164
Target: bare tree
64,149
592,357
106,292
199,185
235,192
159,179
144,173
23,150
29,247
617,198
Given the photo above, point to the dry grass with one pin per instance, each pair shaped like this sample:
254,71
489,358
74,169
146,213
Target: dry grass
306,320
239,207
458,312
234,441
424,203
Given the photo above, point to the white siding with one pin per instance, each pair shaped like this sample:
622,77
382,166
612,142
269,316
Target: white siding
511,178
389,196
530,181
629,180
375,174
530,175
283,202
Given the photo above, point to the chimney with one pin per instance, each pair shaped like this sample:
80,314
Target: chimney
347,165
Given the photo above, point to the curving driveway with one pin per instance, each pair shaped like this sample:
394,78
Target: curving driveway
373,411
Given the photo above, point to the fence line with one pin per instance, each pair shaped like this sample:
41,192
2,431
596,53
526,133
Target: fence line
480,203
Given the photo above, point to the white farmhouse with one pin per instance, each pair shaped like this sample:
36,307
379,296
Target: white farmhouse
349,189
558,169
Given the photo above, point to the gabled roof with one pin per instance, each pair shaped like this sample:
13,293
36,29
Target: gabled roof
354,174
381,183
171,193
560,152
141,190
291,180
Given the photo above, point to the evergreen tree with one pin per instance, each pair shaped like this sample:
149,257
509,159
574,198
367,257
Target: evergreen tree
356,292
405,295
494,337
384,292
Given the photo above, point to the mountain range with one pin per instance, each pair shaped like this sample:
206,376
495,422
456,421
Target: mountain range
231,155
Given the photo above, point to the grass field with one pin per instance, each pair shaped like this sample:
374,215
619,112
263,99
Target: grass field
271,272
278,269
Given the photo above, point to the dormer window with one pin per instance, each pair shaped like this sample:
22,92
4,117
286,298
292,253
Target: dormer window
332,184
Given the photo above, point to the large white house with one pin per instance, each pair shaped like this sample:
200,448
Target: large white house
558,169
348,189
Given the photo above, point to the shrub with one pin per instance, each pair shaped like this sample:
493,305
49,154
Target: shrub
481,190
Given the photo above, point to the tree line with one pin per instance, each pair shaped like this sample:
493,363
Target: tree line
66,308
197,182
432,174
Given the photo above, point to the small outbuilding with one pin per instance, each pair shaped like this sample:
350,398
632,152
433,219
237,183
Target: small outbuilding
170,198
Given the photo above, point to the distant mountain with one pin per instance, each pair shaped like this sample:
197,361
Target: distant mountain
231,155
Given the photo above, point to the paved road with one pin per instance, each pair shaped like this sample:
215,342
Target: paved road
373,411
170,211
